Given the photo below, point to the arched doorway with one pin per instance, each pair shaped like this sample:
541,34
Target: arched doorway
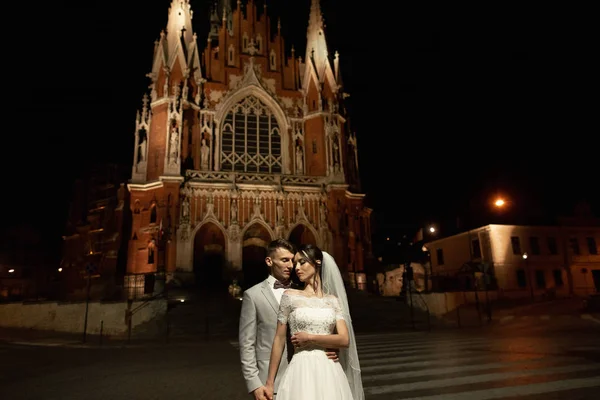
209,258
255,242
302,235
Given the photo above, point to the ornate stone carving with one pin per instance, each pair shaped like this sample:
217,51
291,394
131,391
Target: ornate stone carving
280,217
204,156
185,211
299,160
256,209
234,211
235,233
216,95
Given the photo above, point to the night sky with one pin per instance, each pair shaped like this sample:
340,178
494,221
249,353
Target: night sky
451,106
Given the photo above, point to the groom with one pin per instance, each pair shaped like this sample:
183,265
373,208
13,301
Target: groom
258,318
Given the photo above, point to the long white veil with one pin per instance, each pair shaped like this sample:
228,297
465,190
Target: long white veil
334,284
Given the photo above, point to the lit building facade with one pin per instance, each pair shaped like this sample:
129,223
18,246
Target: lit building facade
238,143
536,261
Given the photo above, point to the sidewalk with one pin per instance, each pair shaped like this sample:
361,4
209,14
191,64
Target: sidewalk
561,310
33,337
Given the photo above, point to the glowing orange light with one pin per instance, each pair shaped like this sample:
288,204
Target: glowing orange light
499,203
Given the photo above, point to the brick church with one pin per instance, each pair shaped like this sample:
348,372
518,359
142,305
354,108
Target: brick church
239,141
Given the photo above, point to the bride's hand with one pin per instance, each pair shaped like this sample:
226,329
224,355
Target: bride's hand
301,339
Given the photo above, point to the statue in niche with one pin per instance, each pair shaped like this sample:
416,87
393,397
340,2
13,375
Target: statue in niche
279,212
336,154
174,143
256,209
234,211
204,154
210,207
142,145
322,215
299,160
185,209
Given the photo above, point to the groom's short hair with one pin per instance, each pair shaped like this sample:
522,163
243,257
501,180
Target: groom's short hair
280,243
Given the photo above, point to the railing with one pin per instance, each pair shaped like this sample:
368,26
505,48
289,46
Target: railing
243,177
130,312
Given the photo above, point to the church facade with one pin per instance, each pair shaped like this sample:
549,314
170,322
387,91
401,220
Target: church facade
238,143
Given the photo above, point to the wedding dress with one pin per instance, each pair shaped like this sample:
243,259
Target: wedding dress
311,375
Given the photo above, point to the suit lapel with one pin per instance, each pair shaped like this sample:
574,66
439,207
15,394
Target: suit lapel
268,293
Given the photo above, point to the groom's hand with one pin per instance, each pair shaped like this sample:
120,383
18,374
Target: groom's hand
260,393
332,354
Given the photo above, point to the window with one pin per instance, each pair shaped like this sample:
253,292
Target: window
540,279
552,247
534,243
245,42
153,214
521,278
134,285
314,146
150,255
258,42
476,248
558,280
231,53
273,60
440,256
574,244
516,245
251,140
591,242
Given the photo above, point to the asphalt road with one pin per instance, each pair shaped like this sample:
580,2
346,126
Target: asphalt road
518,360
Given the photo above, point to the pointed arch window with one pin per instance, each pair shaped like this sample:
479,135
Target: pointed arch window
231,53
273,60
153,214
251,139
245,42
259,42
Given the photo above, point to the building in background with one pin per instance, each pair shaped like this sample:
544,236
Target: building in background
238,142
96,236
540,262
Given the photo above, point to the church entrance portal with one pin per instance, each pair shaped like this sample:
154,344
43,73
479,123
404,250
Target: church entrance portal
209,259
302,235
255,242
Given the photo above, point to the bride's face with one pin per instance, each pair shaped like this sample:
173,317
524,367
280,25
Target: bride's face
305,271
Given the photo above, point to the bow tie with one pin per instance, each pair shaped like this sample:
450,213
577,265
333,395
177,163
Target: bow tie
279,285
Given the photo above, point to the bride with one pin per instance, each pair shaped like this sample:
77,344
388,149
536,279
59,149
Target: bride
319,318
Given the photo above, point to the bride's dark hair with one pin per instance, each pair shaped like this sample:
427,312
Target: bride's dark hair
313,255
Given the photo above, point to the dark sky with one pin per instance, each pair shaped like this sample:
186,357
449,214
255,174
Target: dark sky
450,105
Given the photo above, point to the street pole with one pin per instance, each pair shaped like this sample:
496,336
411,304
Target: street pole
87,305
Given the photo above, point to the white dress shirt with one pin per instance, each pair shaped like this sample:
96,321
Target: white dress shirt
276,292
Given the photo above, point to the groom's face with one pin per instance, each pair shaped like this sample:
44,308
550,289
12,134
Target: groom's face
281,263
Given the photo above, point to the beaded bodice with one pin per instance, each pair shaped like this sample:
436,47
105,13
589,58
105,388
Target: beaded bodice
310,314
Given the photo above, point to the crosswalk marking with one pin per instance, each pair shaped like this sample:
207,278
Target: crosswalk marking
440,383
438,366
523,390
414,366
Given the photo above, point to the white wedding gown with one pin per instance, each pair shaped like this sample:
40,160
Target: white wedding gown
311,375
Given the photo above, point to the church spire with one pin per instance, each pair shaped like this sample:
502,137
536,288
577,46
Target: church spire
316,46
179,25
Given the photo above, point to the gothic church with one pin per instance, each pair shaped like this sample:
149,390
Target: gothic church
239,142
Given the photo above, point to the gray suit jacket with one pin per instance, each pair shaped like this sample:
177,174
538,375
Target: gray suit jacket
258,322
